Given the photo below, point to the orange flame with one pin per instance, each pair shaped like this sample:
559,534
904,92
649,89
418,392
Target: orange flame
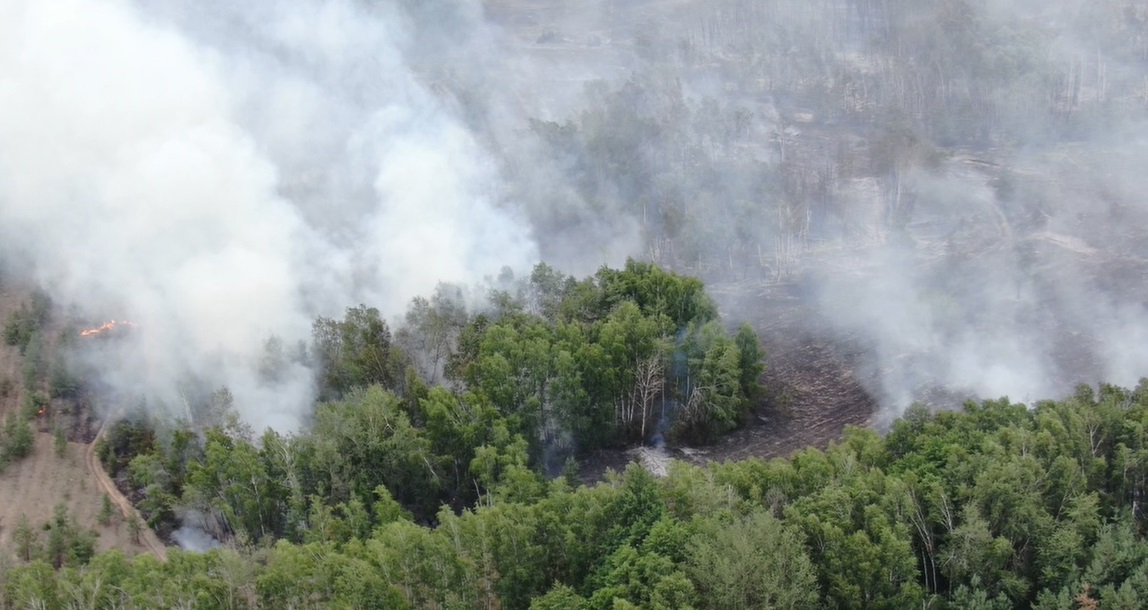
106,326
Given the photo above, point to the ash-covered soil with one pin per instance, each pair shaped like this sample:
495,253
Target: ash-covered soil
821,379
813,389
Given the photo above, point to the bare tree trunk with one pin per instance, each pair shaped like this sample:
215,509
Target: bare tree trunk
650,375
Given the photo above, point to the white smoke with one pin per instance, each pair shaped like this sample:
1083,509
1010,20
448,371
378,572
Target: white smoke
220,174
195,539
978,304
220,171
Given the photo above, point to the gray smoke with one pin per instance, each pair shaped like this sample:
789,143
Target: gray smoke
958,184
986,291
218,173
191,538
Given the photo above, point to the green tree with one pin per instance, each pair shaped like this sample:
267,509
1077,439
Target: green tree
355,352
61,382
712,398
367,440
233,481
33,586
561,597
419,563
135,528
107,510
752,562
751,363
431,329
24,324
862,551
660,294
26,539
644,580
18,440
974,557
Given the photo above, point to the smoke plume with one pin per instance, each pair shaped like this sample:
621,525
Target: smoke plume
218,173
956,186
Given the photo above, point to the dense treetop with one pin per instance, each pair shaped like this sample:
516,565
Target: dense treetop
997,506
436,473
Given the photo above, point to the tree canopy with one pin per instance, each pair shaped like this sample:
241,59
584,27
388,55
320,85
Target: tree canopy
995,506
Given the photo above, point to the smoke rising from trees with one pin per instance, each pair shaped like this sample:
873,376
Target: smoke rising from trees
956,185
155,167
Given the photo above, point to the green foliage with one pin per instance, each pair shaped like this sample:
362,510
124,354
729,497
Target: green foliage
27,539
995,507
232,481
63,542
608,359
630,578
750,363
124,440
561,597
67,543
712,394
752,562
659,294
366,440
23,325
34,404
431,330
62,383
18,440
355,352
34,361
107,511
135,528
404,493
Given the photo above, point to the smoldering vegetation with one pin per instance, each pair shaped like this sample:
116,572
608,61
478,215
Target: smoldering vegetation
953,185
220,175
950,186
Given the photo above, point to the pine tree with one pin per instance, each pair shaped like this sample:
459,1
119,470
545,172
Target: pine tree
134,529
107,511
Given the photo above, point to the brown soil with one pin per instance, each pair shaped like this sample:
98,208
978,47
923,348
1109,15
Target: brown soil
33,486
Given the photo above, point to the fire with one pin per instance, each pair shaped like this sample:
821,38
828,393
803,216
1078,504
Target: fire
106,326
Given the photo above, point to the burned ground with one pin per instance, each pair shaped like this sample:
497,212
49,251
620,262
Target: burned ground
813,389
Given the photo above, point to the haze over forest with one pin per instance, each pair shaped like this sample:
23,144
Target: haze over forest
358,302
954,186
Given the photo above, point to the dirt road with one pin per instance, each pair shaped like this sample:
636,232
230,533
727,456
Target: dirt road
147,536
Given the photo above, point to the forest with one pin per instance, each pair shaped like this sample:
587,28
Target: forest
349,382
996,506
439,472
452,406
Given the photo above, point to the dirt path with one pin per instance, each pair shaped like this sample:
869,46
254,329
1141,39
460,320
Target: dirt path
147,536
